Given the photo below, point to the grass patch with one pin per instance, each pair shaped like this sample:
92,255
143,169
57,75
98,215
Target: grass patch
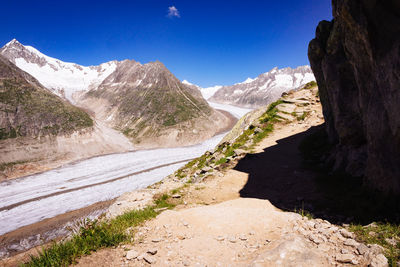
4,166
381,233
221,161
301,117
310,85
303,212
96,235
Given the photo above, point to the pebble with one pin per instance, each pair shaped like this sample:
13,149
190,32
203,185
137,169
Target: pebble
141,257
152,251
156,240
220,238
324,247
351,243
176,196
232,239
362,249
243,237
344,251
391,241
149,259
132,254
344,258
346,233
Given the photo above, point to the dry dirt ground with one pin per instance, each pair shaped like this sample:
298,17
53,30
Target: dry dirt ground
228,219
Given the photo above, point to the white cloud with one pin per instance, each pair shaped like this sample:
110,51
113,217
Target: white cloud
173,12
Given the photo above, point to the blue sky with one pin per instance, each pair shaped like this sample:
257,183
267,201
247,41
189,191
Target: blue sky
209,43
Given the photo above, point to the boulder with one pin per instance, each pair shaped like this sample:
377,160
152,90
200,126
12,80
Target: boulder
355,59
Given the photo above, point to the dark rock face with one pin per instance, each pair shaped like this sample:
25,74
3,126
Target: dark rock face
356,62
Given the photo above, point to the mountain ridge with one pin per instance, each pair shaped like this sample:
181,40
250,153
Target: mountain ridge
143,101
265,88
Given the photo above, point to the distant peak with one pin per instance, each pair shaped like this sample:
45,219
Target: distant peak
186,82
13,42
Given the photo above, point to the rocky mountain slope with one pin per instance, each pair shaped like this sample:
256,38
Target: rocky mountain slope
38,125
152,107
29,110
264,89
355,59
61,78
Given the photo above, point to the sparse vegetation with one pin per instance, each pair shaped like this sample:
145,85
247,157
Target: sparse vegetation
246,141
96,235
4,166
386,235
310,85
39,112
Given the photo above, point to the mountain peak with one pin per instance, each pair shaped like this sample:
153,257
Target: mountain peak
12,42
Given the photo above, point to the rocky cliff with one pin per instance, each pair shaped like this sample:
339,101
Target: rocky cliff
356,61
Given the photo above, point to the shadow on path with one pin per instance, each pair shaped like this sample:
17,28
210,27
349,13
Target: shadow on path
279,174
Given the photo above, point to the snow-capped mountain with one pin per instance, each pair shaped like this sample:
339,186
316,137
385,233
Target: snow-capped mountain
265,88
62,78
206,92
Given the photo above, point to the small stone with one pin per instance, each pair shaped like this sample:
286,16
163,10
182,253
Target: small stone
317,240
220,238
354,262
152,251
185,223
252,233
344,251
351,243
311,224
379,261
346,233
372,225
324,247
243,237
372,233
176,196
181,237
149,259
391,241
344,258
141,257
132,254
362,249
156,240
186,263
232,239
376,249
